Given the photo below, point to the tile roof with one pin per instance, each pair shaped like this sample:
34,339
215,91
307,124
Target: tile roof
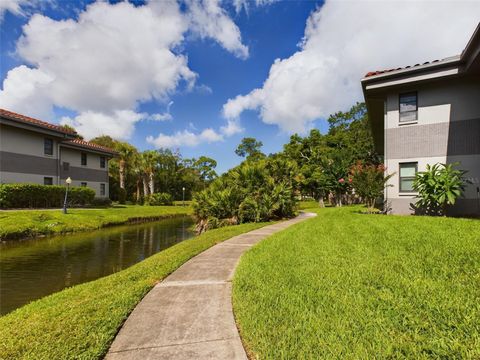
378,72
29,120
73,142
89,145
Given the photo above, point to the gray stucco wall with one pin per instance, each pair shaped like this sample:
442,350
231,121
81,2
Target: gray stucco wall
20,141
447,131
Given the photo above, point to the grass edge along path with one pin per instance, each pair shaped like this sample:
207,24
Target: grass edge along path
352,286
22,224
81,322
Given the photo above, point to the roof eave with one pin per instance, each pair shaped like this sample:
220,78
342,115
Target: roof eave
35,128
448,62
110,154
474,41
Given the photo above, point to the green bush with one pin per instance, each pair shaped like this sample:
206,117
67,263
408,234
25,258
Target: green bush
158,199
42,196
438,187
101,201
252,192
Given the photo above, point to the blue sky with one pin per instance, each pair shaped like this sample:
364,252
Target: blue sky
200,75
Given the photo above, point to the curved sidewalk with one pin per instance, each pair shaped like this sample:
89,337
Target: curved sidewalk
189,314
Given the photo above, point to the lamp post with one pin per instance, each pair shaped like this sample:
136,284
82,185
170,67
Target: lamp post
68,182
183,196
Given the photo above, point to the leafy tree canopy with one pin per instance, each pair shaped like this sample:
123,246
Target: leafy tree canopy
250,147
325,159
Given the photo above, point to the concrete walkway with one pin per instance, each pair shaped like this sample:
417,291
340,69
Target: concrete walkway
189,314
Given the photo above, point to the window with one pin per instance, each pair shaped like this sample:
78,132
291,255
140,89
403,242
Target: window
83,184
66,166
84,159
407,175
103,162
102,189
48,146
47,181
408,107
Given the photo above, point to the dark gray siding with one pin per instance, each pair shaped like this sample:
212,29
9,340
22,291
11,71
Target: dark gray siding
27,164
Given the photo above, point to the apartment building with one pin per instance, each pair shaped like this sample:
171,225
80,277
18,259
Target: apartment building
425,114
34,151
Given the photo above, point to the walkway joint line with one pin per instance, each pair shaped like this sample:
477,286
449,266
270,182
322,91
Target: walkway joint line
172,345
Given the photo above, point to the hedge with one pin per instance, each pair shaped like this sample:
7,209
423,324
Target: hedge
158,199
42,196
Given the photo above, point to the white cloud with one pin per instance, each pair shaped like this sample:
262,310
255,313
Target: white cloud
234,107
113,57
166,116
233,127
210,20
120,124
160,117
203,89
244,4
185,138
343,41
191,138
25,89
109,60
13,6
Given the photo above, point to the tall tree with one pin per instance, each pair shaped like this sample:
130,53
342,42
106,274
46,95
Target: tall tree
150,164
137,169
206,167
351,132
126,152
250,147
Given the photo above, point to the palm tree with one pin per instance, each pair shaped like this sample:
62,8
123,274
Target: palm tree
150,163
125,154
137,169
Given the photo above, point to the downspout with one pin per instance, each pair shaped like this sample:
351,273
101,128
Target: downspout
385,127
58,163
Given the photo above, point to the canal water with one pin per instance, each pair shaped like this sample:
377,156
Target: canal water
32,269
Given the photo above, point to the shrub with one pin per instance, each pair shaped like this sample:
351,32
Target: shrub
42,196
158,199
369,181
101,201
438,187
252,192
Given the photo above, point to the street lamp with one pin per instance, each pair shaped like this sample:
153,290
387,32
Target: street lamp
183,196
68,182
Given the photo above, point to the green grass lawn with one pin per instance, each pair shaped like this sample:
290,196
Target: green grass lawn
31,223
350,286
82,321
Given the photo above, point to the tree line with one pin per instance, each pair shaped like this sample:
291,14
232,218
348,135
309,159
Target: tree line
326,163
321,164
136,175
339,166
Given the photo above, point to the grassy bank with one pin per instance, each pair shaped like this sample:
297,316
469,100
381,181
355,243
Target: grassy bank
81,322
30,223
351,286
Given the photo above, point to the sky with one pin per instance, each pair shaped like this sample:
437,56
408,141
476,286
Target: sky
199,75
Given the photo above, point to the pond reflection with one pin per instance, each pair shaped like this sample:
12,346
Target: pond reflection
32,269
